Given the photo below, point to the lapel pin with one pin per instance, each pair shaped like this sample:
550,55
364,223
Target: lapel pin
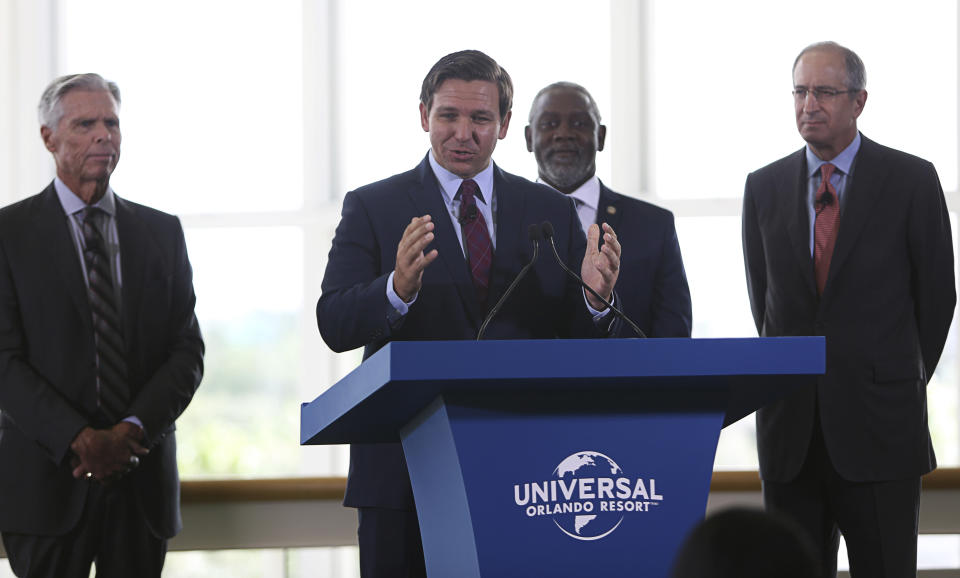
611,210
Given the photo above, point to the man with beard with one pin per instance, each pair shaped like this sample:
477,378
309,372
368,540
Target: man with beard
564,135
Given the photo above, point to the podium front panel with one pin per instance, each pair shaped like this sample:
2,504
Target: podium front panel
524,491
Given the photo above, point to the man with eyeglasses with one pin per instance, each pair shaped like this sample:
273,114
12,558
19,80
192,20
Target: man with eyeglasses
851,240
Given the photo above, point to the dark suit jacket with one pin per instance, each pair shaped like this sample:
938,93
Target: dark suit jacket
353,309
652,285
885,311
47,373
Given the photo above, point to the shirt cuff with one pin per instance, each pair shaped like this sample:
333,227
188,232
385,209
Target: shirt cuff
136,421
400,308
598,315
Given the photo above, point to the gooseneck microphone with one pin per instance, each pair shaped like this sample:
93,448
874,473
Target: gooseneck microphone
533,233
547,228
470,216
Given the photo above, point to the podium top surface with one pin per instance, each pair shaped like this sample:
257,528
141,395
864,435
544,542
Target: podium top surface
377,398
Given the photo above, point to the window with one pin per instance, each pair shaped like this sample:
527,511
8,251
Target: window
213,128
251,120
720,82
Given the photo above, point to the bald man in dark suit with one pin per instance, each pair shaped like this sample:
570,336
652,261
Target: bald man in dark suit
851,240
564,134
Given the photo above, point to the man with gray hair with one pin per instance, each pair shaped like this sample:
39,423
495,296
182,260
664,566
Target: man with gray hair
100,352
849,239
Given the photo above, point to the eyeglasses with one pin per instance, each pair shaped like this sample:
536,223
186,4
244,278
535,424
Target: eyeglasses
819,94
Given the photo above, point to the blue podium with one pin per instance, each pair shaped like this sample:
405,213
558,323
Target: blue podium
561,458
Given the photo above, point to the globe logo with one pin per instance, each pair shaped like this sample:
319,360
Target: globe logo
590,523
587,496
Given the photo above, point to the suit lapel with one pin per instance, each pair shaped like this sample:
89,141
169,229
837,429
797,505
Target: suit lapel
793,184
510,232
609,210
52,224
133,240
860,198
429,201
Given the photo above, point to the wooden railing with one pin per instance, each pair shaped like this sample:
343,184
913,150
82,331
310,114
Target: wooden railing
306,512
261,490
331,488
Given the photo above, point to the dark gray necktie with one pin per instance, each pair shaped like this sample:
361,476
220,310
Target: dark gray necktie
113,393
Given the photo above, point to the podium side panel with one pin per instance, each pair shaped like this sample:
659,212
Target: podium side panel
449,545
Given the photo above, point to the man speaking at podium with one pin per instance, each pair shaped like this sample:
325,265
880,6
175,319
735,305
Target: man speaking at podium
425,254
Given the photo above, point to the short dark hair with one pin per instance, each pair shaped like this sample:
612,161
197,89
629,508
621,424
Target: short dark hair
563,85
856,72
468,65
741,542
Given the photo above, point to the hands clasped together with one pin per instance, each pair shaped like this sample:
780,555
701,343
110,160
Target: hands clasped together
105,455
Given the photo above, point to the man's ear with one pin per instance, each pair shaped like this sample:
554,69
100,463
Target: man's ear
424,118
860,100
47,135
505,125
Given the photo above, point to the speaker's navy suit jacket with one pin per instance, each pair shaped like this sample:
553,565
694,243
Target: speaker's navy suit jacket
885,311
353,310
47,367
653,286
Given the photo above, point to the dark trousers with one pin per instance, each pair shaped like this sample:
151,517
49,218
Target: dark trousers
390,545
111,532
878,520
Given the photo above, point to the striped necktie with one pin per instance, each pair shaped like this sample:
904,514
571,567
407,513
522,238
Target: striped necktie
113,392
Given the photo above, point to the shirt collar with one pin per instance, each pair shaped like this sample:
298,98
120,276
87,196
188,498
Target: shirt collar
843,161
450,183
71,203
588,193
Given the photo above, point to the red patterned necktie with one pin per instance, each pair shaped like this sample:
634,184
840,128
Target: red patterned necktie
826,226
476,238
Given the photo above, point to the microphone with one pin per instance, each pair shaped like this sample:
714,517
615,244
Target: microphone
533,233
547,229
470,216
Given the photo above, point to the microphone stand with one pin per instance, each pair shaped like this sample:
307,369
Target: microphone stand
547,228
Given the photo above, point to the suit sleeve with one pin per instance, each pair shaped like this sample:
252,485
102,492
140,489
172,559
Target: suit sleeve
353,309
932,278
580,323
671,308
26,397
754,258
169,389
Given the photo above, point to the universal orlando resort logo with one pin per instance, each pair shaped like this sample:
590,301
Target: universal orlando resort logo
588,496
